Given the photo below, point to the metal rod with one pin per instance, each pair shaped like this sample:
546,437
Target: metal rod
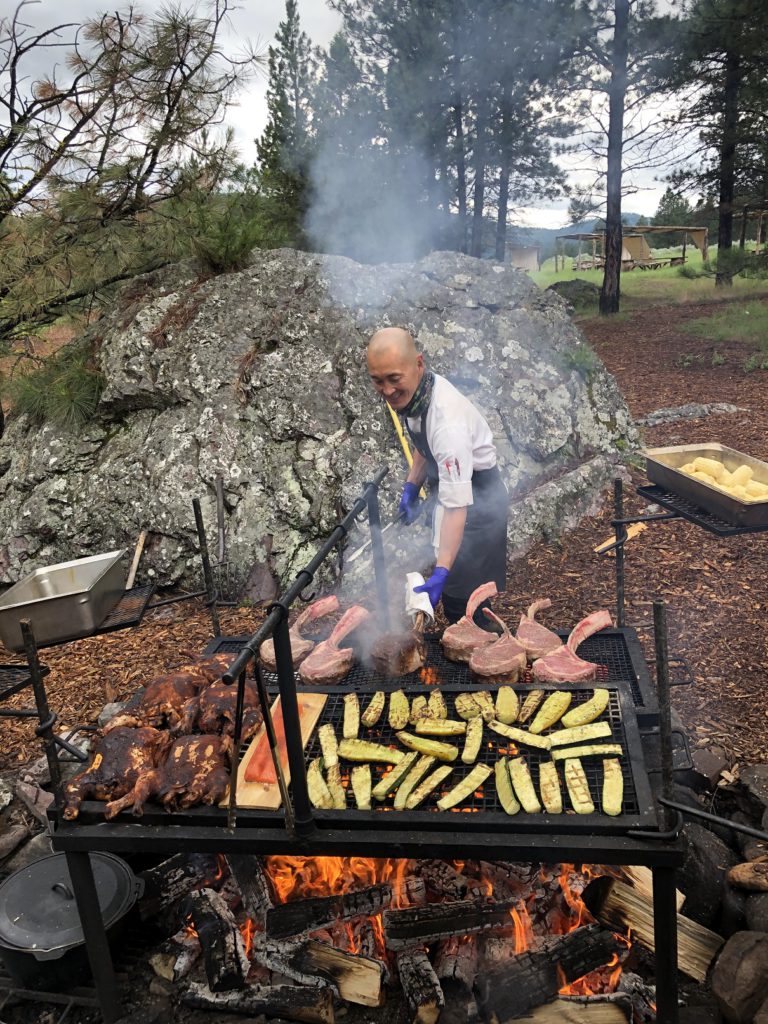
236,739
665,943
665,704
746,830
210,586
47,719
99,956
176,600
269,726
621,535
289,704
220,516
377,547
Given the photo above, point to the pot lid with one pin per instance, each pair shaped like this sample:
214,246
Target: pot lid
38,912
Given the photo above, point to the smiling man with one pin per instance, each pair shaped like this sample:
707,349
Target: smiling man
455,455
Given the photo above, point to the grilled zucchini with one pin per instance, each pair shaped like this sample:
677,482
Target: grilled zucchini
337,791
587,712
328,745
613,786
463,789
549,785
466,706
506,793
319,793
484,700
363,750
361,786
412,779
578,787
442,751
473,740
372,713
399,710
507,705
440,727
418,710
551,711
351,725
427,786
530,704
522,783
393,779
520,735
580,733
594,750
437,706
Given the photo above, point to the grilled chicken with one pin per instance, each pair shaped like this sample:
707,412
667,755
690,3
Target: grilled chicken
535,638
196,771
501,661
397,654
564,665
119,759
464,636
329,663
300,646
216,706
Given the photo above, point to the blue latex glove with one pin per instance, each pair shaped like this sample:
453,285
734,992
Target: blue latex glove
409,503
433,587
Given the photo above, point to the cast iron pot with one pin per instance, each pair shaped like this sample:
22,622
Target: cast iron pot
41,938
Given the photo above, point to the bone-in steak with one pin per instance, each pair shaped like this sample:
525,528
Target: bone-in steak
564,665
461,639
535,638
501,661
329,663
397,654
300,645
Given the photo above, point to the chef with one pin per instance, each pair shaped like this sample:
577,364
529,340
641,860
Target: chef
455,455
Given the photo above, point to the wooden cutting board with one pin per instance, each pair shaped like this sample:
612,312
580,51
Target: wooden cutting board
266,795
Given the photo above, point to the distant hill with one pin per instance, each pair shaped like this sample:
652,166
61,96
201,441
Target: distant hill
545,237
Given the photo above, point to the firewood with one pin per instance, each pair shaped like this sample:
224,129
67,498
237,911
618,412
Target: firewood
175,958
619,906
253,883
751,875
302,916
354,977
535,977
442,879
642,879
420,986
583,1010
314,1006
169,881
419,926
226,964
456,960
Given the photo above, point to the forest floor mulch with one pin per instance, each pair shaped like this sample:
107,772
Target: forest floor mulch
715,588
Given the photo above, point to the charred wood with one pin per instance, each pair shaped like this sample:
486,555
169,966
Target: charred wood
315,1006
442,879
301,916
421,986
226,964
419,926
364,937
642,997
414,890
456,960
255,889
497,949
533,978
168,882
176,957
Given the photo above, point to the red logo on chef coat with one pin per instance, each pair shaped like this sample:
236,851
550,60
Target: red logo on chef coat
452,469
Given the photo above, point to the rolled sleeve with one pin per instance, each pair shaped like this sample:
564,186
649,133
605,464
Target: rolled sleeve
452,449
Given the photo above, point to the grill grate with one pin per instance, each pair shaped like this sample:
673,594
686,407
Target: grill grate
13,678
694,513
129,610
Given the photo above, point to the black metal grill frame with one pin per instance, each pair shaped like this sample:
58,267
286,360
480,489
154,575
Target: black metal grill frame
13,679
686,509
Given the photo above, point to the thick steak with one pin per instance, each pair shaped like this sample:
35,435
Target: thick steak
564,665
501,661
300,646
535,638
461,639
329,663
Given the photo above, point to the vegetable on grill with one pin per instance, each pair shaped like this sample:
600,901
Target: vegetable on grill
522,783
466,706
412,779
351,725
578,787
520,735
580,733
363,750
549,785
551,711
442,751
399,710
595,750
437,706
485,702
506,793
328,745
473,740
393,779
530,704
587,712
372,713
463,789
337,791
440,727
318,791
419,709
361,786
507,705
613,786
429,784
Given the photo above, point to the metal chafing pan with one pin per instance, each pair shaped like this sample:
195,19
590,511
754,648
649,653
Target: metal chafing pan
63,601
663,468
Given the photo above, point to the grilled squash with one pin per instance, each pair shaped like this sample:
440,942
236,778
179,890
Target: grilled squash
442,751
579,734
437,705
549,785
466,706
419,710
484,700
429,784
467,786
372,713
587,712
506,794
473,740
551,711
351,725
319,794
363,750
522,783
393,779
399,710
507,705
520,735
440,727
578,787
328,745
337,791
361,786
613,786
412,779
593,750
531,702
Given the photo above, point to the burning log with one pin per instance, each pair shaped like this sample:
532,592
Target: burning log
420,986
226,963
301,916
619,906
584,1010
358,979
533,978
419,926
168,882
364,939
442,879
315,1006
176,957
456,960
255,890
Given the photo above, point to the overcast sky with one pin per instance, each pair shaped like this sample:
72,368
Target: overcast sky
257,21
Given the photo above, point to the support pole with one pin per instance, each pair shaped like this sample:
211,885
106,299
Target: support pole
303,819
47,718
621,536
665,706
665,941
377,547
210,586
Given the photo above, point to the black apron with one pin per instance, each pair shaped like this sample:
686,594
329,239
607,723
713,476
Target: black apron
482,556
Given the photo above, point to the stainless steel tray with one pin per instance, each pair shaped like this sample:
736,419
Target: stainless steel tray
663,468
64,601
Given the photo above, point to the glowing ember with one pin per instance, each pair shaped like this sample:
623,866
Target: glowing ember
429,676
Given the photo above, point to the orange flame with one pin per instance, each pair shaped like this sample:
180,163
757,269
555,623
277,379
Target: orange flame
247,930
429,676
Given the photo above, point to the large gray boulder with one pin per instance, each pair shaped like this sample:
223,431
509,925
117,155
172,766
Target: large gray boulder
259,376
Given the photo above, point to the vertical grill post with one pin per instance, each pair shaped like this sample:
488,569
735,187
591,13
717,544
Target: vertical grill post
665,706
377,546
210,586
621,536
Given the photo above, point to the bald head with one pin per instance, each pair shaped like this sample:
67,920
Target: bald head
394,365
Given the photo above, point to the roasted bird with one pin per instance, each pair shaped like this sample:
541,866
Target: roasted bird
535,638
464,636
329,663
216,706
564,665
119,759
501,661
300,646
196,771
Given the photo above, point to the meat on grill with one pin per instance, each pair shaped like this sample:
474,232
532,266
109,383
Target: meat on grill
216,707
300,645
329,663
501,661
564,665
397,654
463,637
535,638
119,759
196,771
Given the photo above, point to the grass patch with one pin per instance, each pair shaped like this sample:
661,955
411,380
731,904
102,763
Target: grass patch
743,323
64,389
